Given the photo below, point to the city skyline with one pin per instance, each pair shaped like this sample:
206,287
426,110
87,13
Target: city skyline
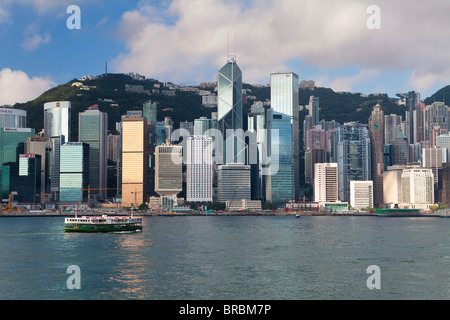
40,52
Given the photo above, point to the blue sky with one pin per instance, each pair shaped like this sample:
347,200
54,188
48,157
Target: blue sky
185,41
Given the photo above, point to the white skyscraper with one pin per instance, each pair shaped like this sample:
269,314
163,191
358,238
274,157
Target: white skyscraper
57,119
326,182
199,169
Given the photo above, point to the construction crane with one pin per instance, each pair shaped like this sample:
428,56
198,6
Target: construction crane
234,194
89,189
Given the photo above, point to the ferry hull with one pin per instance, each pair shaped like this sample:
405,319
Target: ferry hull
101,228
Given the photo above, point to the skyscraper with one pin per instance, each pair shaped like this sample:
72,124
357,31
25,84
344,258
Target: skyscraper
12,142
284,100
74,172
233,182
353,154
199,169
436,115
229,88
134,161
29,182
326,182
93,130
417,186
314,109
13,118
411,98
280,178
41,146
57,119
376,130
168,173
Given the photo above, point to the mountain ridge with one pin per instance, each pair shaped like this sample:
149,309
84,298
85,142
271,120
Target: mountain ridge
109,92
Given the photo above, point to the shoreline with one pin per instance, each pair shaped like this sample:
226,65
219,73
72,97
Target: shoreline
218,214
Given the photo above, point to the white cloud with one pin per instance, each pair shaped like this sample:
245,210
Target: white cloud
274,35
32,40
17,87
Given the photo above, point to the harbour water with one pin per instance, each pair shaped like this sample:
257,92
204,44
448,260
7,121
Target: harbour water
223,258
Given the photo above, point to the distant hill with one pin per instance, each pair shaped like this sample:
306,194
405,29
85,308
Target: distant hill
109,93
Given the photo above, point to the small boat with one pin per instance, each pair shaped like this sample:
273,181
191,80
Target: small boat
104,223
297,215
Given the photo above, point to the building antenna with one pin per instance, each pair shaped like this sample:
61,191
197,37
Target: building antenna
231,57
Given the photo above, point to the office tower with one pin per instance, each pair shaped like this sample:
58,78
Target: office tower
29,181
443,141
203,124
387,156
113,147
150,111
361,194
316,138
443,189
417,185
284,101
280,178
411,98
436,115
229,109
41,146
307,125
392,126
392,185
199,169
188,126
313,156
233,182
134,161
376,130
433,158
55,147
353,155
12,142
57,119
93,130
168,173
434,133
400,150
313,108
257,124
74,172
325,182
419,121
13,118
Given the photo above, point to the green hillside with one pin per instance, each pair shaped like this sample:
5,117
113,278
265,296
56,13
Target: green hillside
342,107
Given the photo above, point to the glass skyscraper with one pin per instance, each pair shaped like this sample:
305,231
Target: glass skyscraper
12,143
74,172
230,111
284,182
280,181
57,119
93,130
353,155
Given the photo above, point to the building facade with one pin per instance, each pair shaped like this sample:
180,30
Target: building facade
74,172
57,120
326,182
93,130
199,169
